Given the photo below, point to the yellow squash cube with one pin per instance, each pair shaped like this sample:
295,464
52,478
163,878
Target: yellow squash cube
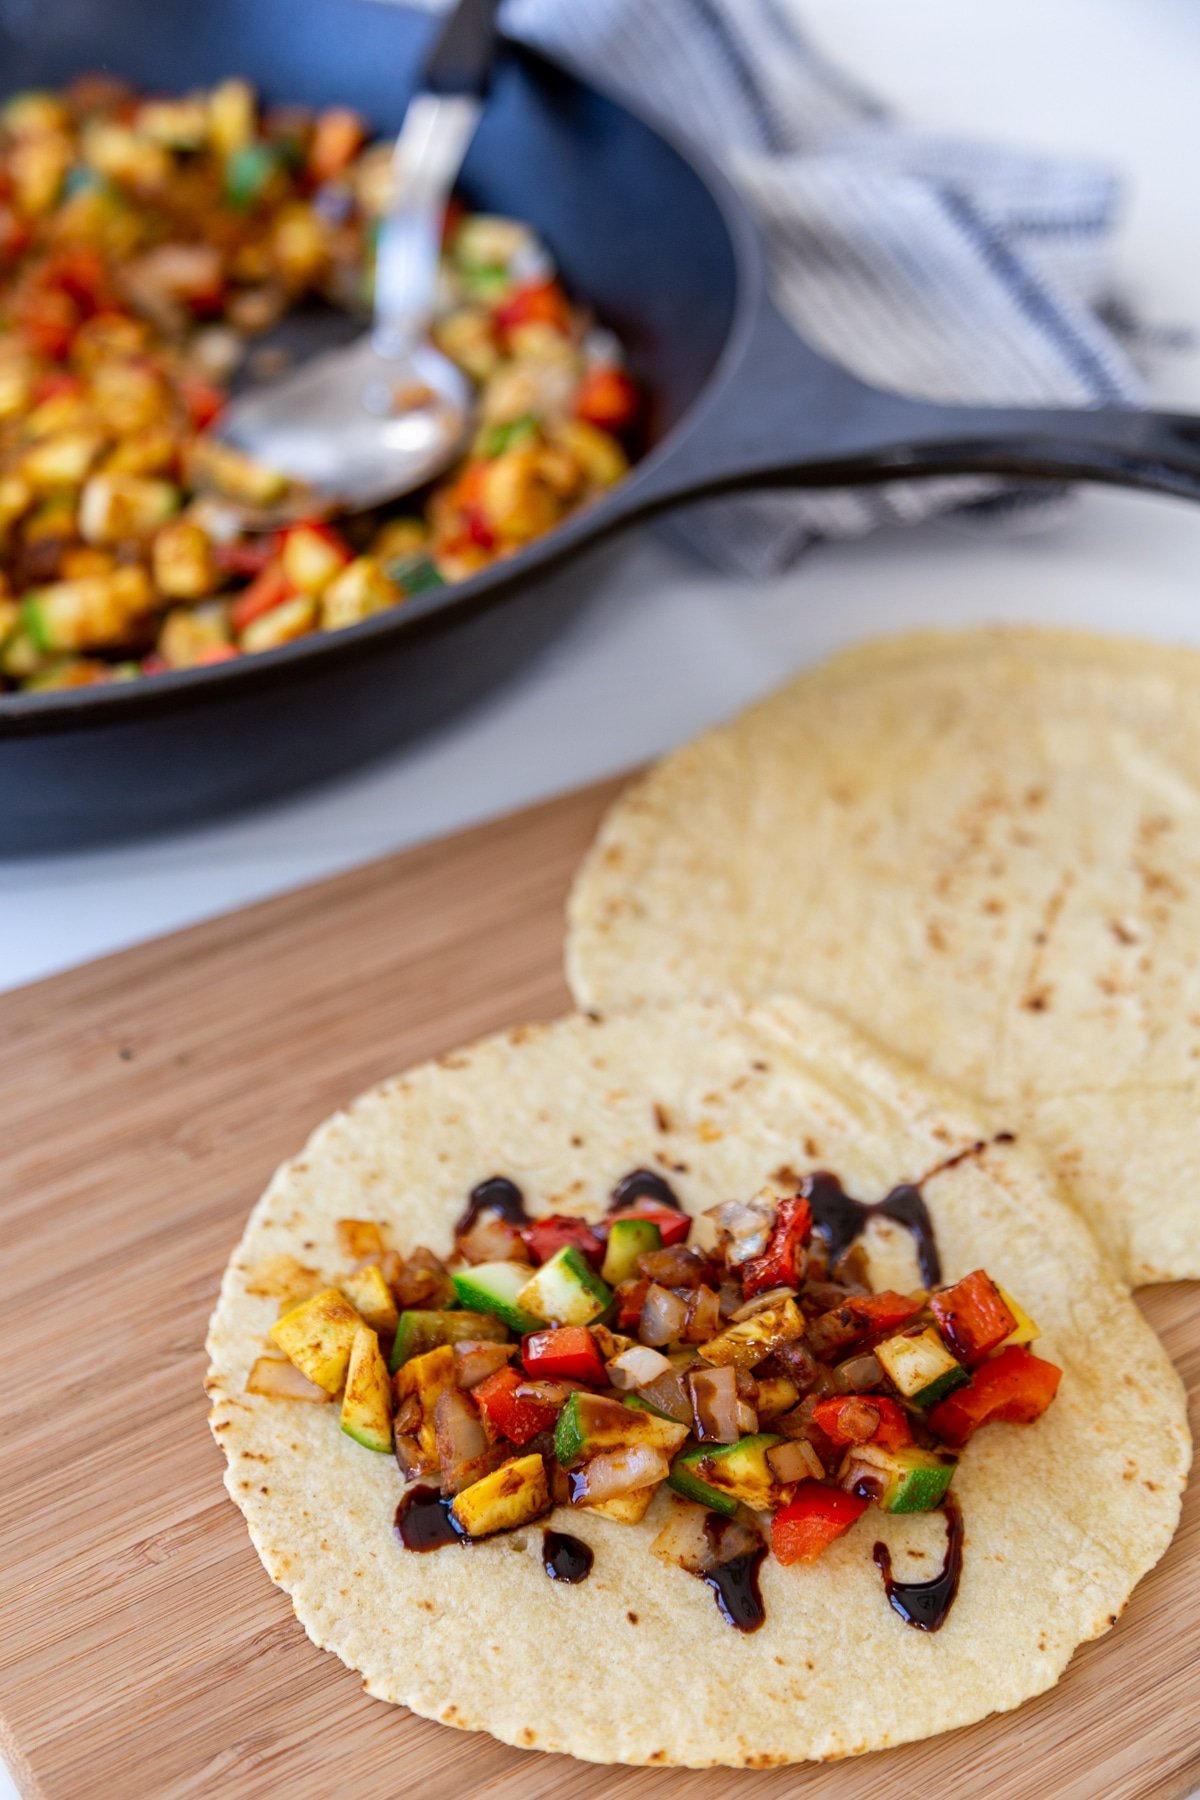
318,1336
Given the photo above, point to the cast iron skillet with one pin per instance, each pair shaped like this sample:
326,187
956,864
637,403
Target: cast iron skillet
654,238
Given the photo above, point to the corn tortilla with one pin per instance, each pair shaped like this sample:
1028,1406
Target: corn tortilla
980,847
635,1664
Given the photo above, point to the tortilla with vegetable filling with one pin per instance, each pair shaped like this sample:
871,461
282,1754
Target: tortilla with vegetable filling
635,1664
983,848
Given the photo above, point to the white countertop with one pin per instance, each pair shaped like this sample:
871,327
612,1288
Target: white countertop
667,646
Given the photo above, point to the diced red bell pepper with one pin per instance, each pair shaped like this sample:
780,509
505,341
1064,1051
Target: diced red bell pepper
57,384
631,1296
245,556
537,303
782,1262
606,397
891,1433
79,272
673,1226
266,591
517,1420
809,1523
336,141
570,1353
1015,1387
47,319
972,1316
202,401
878,1312
547,1237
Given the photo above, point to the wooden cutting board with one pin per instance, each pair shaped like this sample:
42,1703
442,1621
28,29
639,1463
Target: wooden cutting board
144,1101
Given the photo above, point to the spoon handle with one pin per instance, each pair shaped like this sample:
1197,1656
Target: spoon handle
437,130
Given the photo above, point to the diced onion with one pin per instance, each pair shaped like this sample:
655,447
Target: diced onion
683,1539
703,1317
663,1316
700,1541
715,1405
477,1358
772,1297
675,1267
282,1380
544,1391
857,1374
459,1434
490,1239
747,1419
670,1394
616,1472
795,1460
744,1228
636,1367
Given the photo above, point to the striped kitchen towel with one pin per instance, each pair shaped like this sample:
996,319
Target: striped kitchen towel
936,267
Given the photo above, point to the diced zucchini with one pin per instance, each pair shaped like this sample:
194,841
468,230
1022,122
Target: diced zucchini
420,1331
589,1423
509,1496
370,1295
495,1287
627,1240
902,1481
921,1366
684,1479
754,1338
367,1402
1025,1331
318,1336
736,1472
565,1290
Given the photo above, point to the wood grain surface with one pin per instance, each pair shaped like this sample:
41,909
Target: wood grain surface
144,1101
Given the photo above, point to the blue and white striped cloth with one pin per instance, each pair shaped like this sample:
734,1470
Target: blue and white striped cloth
936,267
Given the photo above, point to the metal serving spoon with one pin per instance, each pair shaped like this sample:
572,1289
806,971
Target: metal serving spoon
367,422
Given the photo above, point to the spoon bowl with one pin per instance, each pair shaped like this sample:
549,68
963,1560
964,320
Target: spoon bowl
356,427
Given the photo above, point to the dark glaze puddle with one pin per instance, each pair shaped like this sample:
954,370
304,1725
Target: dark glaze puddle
925,1604
498,1195
840,1219
424,1521
643,1184
735,1583
565,1558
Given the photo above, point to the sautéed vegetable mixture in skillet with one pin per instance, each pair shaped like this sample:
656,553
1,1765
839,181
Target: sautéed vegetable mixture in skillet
145,243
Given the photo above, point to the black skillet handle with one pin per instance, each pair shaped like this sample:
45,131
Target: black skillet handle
785,417
463,55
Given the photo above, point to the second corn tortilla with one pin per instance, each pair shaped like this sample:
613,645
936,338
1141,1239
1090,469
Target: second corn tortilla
981,847
636,1665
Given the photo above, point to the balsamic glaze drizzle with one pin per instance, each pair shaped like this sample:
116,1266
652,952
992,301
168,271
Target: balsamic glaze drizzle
840,1219
643,1184
565,1558
424,1520
735,1583
498,1195
925,1604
